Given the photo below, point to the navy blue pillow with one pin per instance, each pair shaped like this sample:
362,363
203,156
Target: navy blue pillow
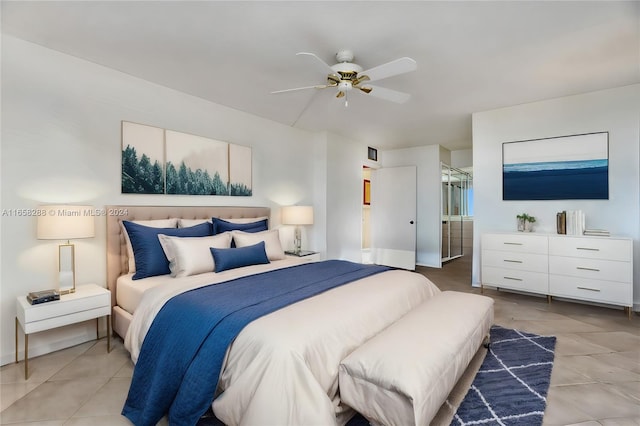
147,251
232,258
220,226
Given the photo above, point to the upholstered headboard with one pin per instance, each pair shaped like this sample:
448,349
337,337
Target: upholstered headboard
117,260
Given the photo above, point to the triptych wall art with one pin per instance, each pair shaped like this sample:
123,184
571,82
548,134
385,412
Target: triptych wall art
561,168
161,161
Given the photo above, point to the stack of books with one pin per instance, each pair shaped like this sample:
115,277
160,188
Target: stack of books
37,297
571,222
596,232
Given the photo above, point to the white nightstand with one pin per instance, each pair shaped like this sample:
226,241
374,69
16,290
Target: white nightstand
88,302
309,256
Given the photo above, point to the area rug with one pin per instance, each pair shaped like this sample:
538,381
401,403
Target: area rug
511,385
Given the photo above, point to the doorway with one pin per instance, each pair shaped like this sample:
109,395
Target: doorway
457,212
366,215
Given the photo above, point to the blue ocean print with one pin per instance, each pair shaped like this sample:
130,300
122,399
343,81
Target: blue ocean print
556,180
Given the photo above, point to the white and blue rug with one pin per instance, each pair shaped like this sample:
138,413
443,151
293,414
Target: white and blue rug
511,386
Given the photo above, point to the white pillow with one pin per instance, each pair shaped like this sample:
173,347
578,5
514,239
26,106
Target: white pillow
271,242
185,223
191,255
245,219
157,223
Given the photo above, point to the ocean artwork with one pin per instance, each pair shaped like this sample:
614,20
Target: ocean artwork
561,168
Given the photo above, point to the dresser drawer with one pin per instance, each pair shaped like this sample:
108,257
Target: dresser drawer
516,243
534,282
591,248
515,260
605,270
592,290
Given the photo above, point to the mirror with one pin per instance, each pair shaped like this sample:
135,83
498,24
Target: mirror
455,212
66,267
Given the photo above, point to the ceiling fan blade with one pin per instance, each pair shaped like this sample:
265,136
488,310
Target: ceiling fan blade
388,94
326,66
322,86
340,95
399,66
366,89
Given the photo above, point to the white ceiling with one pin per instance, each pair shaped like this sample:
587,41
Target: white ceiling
472,56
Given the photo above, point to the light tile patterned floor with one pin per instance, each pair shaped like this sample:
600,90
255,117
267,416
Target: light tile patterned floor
595,379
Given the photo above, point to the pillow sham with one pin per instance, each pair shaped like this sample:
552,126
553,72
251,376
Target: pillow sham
156,223
238,257
190,255
186,223
271,239
147,251
221,225
183,223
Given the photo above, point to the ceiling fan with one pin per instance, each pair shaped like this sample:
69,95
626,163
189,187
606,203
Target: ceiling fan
346,76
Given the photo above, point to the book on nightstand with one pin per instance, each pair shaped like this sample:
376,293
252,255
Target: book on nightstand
300,253
37,297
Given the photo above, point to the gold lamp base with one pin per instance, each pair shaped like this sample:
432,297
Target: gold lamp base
66,268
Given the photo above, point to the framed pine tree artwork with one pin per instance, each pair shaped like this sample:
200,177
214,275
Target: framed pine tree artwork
161,161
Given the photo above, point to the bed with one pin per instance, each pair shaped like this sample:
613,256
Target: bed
282,368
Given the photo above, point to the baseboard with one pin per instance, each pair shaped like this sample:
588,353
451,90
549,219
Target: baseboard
46,348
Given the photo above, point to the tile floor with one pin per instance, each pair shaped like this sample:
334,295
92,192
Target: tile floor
595,379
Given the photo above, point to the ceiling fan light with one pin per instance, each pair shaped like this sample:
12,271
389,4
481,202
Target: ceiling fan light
344,86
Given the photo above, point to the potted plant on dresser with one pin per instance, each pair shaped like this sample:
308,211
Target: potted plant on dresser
525,222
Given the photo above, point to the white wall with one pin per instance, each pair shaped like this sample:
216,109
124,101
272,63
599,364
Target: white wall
428,225
61,143
462,158
616,111
345,159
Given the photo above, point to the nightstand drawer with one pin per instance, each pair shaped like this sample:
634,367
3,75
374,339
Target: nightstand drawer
517,261
67,319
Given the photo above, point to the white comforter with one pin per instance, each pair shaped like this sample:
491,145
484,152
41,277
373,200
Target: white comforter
283,367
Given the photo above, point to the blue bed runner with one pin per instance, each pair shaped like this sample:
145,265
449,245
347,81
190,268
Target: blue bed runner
182,354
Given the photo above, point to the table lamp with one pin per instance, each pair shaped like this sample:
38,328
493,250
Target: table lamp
66,222
297,215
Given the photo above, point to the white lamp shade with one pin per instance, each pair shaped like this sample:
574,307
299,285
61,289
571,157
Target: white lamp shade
297,215
65,222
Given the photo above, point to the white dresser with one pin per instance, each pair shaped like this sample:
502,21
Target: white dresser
596,269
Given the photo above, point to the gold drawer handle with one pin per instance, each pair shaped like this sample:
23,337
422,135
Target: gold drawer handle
513,261
587,288
588,248
587,269
511,278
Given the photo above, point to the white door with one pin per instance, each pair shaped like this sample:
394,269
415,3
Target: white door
393,217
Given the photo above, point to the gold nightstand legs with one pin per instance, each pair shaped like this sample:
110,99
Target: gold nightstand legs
108,332
26,351
16,340
26,343
26,356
